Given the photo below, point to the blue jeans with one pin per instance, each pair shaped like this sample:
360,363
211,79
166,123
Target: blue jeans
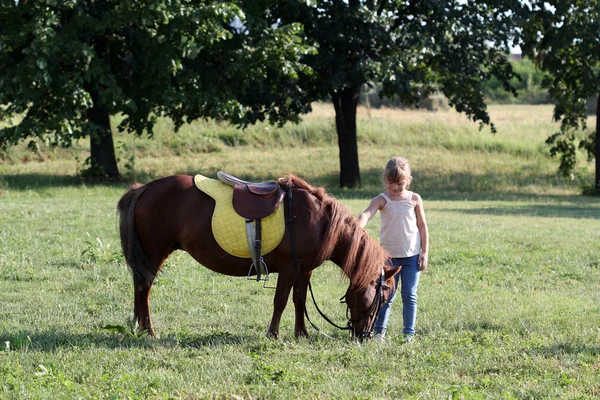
409,278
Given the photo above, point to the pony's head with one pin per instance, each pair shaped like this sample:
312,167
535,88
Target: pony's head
364,304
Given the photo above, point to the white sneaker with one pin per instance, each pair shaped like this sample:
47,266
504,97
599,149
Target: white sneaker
408,338
380,337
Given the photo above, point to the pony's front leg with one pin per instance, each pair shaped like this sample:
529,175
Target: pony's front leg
285,281
300,304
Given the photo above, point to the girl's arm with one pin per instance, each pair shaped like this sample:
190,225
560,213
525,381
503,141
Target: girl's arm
423,231
376,204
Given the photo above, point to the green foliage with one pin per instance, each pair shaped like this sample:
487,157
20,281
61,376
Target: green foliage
446,136
412,48
67,66
60,58
65,62
562,35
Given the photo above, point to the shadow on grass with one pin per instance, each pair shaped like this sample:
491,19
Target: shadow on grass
560,349
39,181
432,185
538,210
53,340
447,185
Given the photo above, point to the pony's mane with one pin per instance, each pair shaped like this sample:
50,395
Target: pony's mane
362,257
293,181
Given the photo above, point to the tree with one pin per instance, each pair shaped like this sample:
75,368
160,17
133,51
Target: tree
67,66
562,35
412,47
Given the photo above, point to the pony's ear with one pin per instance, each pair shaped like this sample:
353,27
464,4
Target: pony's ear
390,271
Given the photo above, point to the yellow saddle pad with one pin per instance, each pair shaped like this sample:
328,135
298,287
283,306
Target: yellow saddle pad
229,229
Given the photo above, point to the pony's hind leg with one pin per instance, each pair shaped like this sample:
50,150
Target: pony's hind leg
146,239
141,307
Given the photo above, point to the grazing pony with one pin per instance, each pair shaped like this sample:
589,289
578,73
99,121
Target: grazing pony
171,214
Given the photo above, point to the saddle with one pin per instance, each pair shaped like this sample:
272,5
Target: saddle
254,201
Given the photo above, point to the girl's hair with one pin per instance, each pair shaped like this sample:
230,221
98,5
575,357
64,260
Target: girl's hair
397,170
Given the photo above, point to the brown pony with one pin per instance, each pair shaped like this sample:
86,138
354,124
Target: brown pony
171,214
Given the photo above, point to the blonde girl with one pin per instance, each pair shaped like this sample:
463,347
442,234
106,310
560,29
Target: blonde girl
405,237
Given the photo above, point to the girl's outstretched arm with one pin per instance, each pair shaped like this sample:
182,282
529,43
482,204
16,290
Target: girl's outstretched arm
376,204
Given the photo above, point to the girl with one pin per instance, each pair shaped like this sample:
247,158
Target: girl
404,235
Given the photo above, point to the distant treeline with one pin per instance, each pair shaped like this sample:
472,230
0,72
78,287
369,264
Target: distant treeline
529,91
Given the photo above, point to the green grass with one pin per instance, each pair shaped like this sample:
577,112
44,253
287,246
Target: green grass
509,307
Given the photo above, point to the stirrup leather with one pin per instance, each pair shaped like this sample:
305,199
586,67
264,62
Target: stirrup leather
253,235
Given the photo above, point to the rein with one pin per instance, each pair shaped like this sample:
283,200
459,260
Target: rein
375,304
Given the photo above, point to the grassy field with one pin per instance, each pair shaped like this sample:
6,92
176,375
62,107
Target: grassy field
509,308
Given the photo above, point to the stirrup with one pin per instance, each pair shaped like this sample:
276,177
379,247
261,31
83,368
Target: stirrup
258,278
258,274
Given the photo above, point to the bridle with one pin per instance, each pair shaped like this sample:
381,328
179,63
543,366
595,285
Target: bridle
374,308
373,311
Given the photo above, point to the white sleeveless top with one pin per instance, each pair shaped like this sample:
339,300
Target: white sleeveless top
399,234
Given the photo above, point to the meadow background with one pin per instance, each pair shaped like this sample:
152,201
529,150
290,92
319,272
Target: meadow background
509,306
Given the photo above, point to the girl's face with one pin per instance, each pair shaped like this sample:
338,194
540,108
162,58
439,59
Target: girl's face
396,187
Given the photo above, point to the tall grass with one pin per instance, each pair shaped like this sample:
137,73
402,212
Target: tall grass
522,131
448,152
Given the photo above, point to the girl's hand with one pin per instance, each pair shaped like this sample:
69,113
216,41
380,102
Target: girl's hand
423,258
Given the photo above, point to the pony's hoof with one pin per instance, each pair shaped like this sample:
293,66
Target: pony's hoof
301,334
149,331
272,335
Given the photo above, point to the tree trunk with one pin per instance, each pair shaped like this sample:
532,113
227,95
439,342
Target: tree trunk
597,155
346,103
101,141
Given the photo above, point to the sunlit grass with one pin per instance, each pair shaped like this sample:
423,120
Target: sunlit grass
509,305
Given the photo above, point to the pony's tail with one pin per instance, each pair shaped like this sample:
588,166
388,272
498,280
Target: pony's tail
136,258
